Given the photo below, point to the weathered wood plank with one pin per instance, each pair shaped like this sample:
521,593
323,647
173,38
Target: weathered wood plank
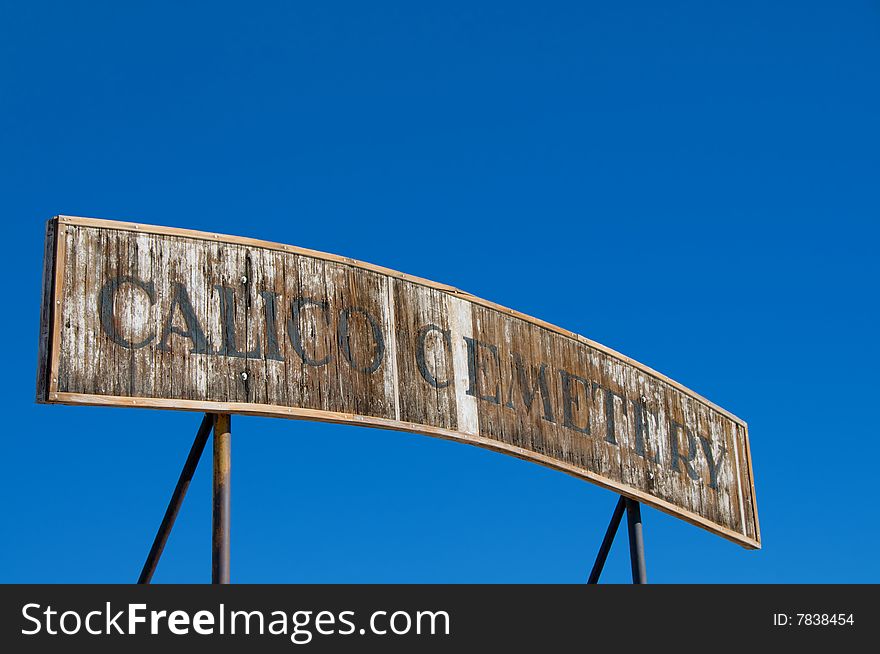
426,387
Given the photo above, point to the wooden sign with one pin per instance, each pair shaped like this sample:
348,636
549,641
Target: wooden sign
142,316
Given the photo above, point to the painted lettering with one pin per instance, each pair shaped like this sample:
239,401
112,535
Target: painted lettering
714,464
345,339
570,400
294,331
529,390
194,332
640,412
674,429
427,375
107,309
270,316
608,400
474,369
227,326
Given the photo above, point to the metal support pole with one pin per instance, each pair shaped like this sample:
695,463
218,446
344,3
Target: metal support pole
607,541
186,475
221,495
636,542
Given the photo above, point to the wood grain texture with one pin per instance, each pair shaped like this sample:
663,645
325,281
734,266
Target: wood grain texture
154,317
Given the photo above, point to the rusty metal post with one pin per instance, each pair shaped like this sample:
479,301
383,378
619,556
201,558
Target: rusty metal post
221,495
610,533
186,475
636,542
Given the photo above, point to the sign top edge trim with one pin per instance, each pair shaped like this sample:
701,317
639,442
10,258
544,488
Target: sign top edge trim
103,223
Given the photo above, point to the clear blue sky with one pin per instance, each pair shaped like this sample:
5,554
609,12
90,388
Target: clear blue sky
694,184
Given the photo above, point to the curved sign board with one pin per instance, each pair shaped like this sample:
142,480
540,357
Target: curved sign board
142,316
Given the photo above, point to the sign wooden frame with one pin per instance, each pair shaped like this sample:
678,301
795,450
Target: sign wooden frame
57,275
